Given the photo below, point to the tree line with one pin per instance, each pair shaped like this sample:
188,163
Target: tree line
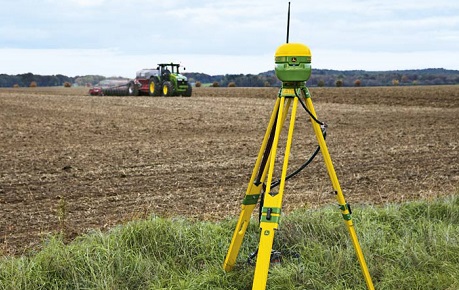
332,78
26,79
319,77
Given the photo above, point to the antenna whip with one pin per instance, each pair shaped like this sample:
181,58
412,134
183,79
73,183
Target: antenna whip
288,21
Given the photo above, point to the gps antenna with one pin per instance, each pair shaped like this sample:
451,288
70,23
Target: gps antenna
288,21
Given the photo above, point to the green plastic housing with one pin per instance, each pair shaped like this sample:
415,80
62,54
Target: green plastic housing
293,62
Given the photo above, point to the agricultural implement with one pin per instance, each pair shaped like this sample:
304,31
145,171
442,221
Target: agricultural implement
110,87
293,68
166,80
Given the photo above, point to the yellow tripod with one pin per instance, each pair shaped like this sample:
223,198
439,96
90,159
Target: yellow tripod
290,94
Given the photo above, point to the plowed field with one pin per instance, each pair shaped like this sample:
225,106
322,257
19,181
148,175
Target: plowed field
71,162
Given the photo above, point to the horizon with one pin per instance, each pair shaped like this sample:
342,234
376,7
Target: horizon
186,72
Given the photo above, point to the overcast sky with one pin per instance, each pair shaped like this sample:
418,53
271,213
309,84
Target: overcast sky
119,37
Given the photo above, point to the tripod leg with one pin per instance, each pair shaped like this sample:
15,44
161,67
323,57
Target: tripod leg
273,202
255,186
252,195
345,210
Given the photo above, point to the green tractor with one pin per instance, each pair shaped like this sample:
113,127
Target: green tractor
165,80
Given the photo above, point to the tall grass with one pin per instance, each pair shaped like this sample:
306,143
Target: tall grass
407,246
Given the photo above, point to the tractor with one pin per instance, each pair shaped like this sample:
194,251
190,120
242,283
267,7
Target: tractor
165,80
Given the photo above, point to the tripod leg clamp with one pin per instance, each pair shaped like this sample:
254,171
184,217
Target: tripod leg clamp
268,214
345,207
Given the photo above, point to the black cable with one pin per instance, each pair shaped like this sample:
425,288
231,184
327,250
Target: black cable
269,145
324,134
277,182
306,109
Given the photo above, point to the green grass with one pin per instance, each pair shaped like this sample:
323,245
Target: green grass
407,246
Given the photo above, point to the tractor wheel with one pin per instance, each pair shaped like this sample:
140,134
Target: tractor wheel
153,87
133,89
188,91
168,89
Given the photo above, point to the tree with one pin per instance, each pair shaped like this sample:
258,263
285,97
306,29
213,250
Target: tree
357,83
339,83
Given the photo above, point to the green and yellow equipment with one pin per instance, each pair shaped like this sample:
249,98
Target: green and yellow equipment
293,68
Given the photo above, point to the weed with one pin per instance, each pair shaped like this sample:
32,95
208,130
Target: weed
62,214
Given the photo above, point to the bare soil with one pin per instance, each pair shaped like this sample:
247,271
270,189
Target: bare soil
71,162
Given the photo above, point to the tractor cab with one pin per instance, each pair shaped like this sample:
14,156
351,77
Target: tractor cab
166,69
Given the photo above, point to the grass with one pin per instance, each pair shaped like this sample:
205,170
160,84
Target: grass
407,246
